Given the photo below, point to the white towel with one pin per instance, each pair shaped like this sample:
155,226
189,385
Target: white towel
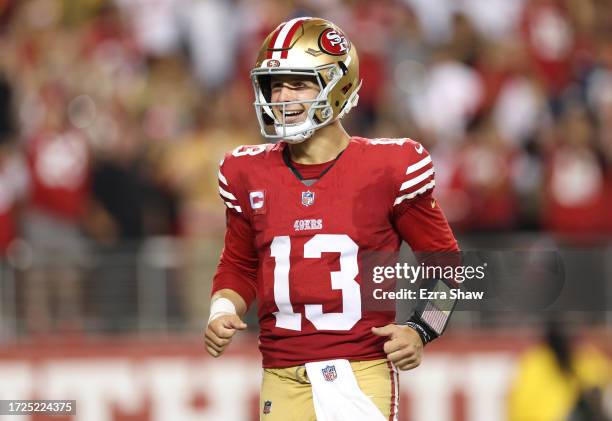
336,394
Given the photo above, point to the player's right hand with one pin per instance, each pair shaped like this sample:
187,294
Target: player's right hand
220,331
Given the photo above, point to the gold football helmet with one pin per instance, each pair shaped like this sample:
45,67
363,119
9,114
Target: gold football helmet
306,47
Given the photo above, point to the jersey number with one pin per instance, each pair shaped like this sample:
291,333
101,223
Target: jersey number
250,150
343,280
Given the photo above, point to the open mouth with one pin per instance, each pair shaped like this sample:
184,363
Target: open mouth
293,116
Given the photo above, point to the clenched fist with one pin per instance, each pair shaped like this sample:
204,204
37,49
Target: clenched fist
220,331
404,347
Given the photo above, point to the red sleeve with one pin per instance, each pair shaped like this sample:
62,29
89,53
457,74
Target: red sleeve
422,224
237,269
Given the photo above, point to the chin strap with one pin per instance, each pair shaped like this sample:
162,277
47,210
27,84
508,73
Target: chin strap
299,138
295,138
351,101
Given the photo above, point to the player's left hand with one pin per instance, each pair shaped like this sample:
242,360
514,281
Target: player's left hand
404,347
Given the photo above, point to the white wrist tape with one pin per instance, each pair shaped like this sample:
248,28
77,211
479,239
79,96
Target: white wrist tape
219,307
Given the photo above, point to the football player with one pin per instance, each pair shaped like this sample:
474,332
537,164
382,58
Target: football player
301,213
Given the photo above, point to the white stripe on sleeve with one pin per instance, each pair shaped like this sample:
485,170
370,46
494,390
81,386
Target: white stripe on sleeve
226,194
236,207
416,180
412,168
222,178
415,193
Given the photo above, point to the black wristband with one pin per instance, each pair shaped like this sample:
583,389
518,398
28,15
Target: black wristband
425,336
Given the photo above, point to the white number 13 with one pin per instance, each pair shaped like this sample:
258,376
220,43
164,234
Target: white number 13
343,280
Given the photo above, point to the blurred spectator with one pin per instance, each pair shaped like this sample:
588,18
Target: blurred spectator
409,57
59,164
13,187
483,176
208,25
435,17
368,31
450,97
550,41
495,19
7,125
155,23
465,43
575,182
13,172
512,93
127,205
559,380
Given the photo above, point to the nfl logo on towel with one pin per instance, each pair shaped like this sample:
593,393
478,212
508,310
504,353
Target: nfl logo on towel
307,198
267,407
329,373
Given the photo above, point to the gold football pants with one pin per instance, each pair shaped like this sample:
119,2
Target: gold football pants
286,393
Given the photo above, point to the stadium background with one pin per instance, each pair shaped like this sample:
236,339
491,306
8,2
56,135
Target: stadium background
114,115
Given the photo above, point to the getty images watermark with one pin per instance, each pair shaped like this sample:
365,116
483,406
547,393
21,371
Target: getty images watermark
452,276
391,280
481,280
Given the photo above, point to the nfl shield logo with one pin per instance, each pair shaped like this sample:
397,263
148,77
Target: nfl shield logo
329,373
308,198
267,407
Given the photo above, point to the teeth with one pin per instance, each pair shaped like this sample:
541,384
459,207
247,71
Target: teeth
292,113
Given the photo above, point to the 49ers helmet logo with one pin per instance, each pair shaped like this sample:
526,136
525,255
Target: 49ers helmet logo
333,42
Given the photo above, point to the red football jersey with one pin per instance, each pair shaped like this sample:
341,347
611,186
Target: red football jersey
297,248
59,166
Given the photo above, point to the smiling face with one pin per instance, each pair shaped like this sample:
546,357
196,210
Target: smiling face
288,88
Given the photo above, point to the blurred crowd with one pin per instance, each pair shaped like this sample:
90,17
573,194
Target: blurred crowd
115,113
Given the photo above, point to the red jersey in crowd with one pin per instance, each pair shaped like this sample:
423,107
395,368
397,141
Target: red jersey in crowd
60,166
